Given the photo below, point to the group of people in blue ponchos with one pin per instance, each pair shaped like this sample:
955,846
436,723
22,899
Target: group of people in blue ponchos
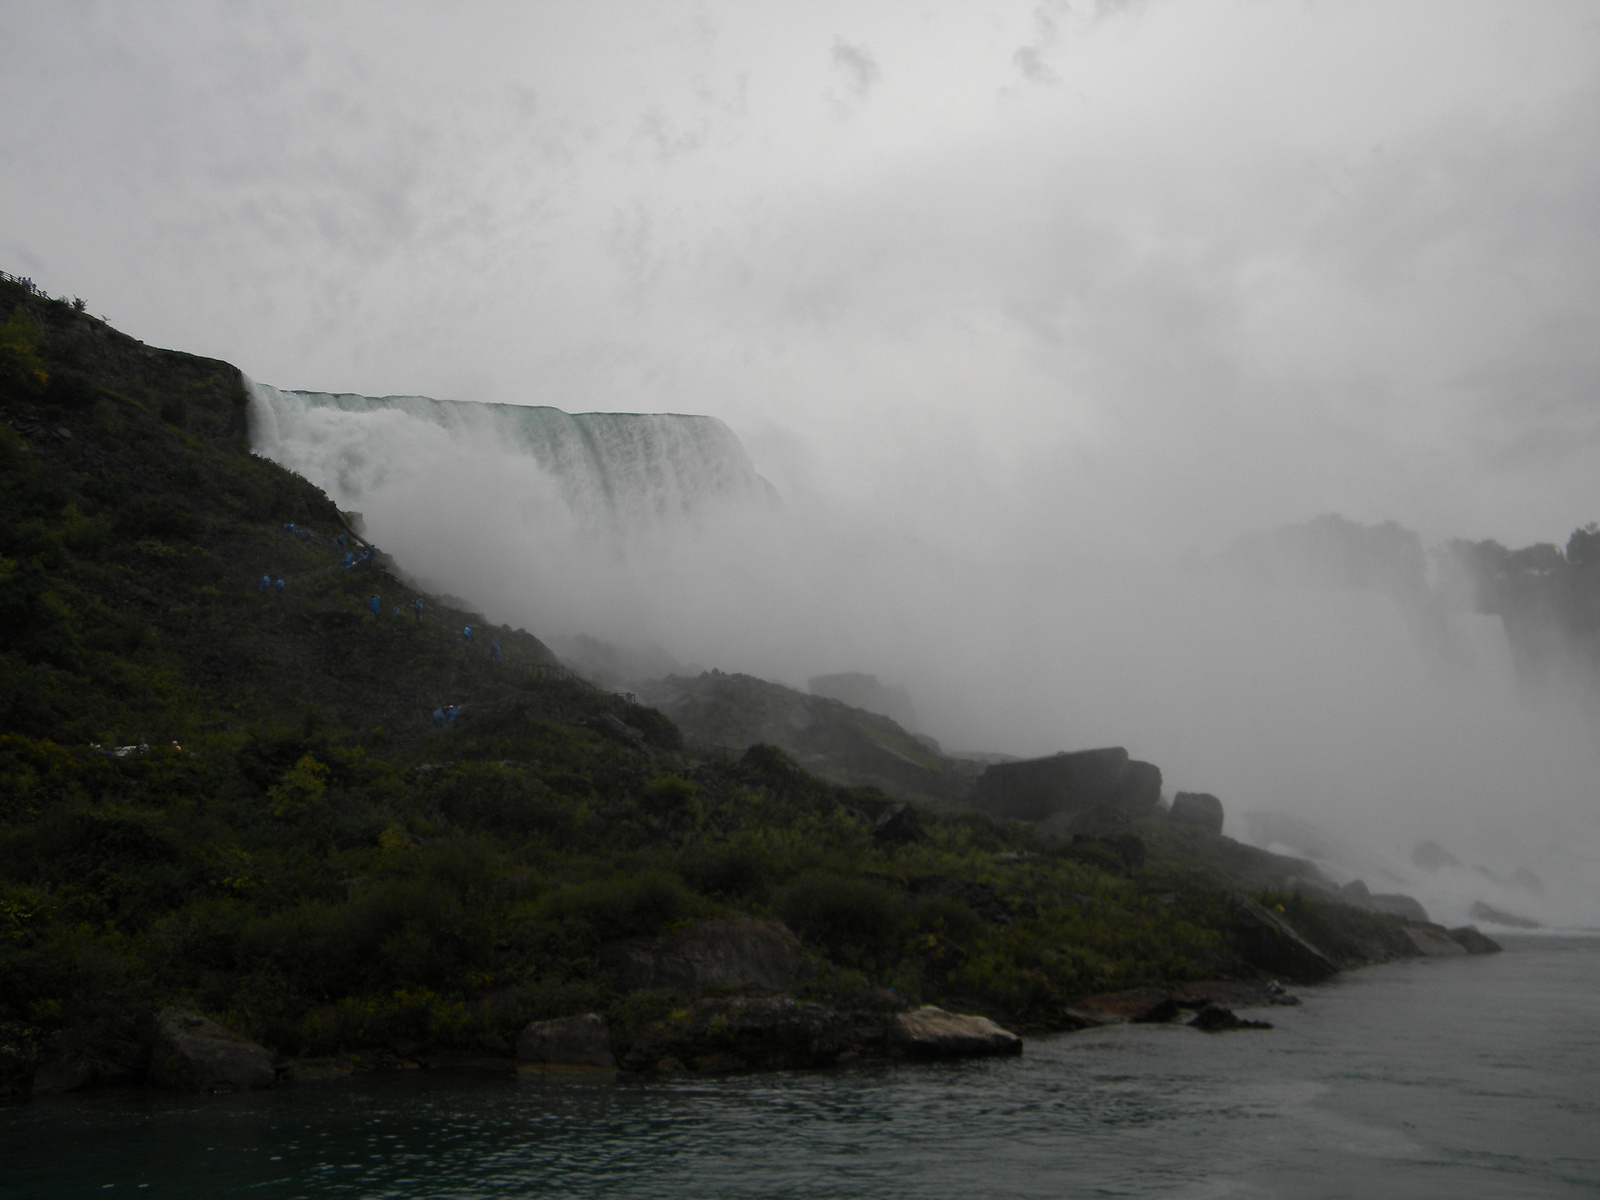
445,715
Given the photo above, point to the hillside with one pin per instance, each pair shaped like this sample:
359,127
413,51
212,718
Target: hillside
239,802
829,738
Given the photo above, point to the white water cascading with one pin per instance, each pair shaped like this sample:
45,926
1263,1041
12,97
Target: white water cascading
619,472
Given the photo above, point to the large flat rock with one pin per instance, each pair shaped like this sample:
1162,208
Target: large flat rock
930,1032
1433,943
1036,789
1269,943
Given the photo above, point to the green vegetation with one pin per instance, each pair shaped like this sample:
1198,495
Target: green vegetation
322,867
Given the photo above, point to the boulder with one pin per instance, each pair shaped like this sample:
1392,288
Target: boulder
1473,942
1433,942
193,1053
1356,893
930,1032
744,954
581,1042
1197,810
1269,943
898,826
1038,788
1213,1019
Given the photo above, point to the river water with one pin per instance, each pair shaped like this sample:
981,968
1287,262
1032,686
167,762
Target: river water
1468,1077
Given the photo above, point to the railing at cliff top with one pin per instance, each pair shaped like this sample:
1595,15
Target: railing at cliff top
33,289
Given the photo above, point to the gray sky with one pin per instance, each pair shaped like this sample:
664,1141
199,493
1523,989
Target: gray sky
1137,272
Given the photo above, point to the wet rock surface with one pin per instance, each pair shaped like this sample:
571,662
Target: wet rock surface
898,826
754,1033
1215,1019
1197,810
1152,1005
1038,788
1433,943
929,1032
567,1042
1270,944
193,1053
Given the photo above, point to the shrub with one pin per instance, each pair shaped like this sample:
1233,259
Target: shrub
486,796
623,906
733,871
398,933
671,799
858,922
947,917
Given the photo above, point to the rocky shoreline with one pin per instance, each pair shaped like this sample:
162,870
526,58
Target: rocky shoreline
752,1020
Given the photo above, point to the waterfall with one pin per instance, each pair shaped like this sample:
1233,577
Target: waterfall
623,473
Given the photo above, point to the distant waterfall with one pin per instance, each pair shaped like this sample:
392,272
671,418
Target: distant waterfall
623,472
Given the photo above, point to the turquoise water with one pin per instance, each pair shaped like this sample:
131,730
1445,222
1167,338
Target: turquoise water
1445,1078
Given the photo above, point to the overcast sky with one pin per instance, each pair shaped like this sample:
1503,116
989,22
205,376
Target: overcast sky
1096,272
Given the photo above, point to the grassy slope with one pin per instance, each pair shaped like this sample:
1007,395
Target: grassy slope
324,870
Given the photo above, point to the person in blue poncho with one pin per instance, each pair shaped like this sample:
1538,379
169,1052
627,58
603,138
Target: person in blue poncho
416,608
279,587
467,633
376,605
438,717
266,582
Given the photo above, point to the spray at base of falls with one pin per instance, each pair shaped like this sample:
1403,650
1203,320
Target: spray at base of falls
657,530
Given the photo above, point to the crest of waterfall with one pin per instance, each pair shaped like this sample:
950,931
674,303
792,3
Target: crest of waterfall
621,474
